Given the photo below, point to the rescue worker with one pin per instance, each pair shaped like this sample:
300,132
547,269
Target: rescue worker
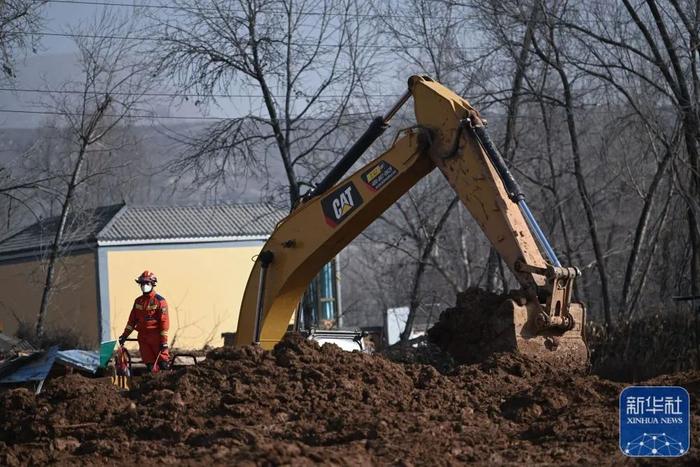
149,317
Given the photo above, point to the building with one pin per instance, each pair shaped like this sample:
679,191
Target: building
202,256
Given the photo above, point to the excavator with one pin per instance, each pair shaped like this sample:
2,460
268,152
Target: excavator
450,135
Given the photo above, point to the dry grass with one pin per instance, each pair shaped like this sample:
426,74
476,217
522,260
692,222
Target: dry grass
646,347
63,338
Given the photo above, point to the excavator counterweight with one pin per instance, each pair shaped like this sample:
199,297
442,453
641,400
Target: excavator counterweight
450,136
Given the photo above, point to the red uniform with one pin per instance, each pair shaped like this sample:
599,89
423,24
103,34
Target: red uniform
149,317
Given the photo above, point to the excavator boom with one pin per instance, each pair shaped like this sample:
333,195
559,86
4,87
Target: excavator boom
449,136
317,231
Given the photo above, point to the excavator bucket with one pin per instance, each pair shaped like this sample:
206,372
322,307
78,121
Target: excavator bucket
563,348
483,323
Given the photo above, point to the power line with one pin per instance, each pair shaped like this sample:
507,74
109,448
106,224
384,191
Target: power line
118,4
156,117
470,16
296,44
166,94
272,11
250,96
175,117
153,117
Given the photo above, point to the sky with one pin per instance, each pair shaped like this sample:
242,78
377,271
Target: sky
54,62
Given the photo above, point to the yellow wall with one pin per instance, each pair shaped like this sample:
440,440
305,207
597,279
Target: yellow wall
73,306
203,287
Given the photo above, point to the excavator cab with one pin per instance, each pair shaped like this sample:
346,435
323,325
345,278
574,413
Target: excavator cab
449,135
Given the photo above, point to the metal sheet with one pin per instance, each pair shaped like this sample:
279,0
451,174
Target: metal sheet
35,369
86,360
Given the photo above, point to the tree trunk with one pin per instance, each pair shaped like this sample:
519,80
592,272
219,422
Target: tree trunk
578,170
464,248
642,228
520,66
425,255
586,199
57,242
650,259
85,141
282,143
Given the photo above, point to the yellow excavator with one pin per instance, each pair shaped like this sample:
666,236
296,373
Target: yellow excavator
449,135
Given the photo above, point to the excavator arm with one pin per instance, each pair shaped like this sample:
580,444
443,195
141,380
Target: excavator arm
450,136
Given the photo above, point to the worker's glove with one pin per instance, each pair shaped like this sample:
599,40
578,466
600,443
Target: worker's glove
163,347
122,339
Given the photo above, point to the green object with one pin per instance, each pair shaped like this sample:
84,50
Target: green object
106,350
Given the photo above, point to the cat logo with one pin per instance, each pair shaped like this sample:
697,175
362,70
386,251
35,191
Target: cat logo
338,205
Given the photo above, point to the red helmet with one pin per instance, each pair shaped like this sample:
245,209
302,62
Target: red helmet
147,277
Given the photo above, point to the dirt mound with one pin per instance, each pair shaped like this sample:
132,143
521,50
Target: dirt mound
422,353
305,404
472,330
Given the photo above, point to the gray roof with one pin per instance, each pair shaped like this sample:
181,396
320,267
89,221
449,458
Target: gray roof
81,230
194,222
121,223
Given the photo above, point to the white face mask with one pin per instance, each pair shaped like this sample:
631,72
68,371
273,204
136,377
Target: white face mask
146,288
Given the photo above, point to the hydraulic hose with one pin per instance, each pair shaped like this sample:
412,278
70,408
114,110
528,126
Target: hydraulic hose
375,130
534,226
515,193
513,188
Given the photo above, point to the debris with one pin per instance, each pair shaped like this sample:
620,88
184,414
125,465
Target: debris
34,367
37,365
11,346
85,360
302,404
106,352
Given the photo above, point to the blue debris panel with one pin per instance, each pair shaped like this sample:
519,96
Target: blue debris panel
86,360
35,367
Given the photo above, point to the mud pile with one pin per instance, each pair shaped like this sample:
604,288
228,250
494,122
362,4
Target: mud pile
473,330
305,404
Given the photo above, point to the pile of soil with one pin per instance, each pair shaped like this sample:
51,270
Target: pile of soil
478,326
304,404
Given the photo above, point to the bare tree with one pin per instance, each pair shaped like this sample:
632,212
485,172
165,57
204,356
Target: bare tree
406,245
302,60
631,50
551,55
112,84
426,36
19,20
427,247
597,106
